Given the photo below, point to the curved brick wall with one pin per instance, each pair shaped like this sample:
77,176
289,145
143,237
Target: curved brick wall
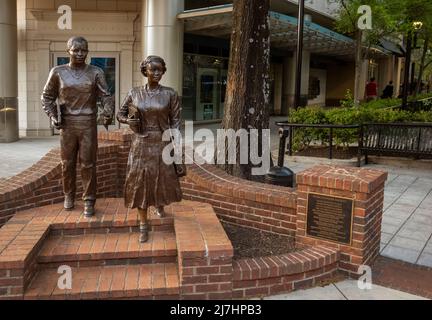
251,204
256,205
271,275
260,206
41,184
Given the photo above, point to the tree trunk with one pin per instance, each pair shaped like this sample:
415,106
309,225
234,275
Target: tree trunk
422,65
247,96
358,66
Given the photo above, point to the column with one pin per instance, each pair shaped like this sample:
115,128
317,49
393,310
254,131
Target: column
385,74
126,68
289,67
288,84
39,123
8,72
162,35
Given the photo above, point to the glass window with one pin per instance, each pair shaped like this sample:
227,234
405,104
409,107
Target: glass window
108,65
204,86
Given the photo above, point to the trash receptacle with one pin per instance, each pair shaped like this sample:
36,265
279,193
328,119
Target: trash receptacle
280,176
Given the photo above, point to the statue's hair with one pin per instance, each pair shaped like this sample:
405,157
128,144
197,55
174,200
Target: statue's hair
149,60
73,40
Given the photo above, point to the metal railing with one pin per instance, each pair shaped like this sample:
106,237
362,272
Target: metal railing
287,131
418,143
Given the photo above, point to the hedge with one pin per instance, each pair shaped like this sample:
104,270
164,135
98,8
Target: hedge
380,111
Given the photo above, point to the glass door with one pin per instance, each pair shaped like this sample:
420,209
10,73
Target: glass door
207,98
109,63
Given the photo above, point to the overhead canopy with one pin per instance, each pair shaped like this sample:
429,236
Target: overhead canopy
392,47
217,22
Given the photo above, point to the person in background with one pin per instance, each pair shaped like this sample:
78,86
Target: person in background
371,90
388,91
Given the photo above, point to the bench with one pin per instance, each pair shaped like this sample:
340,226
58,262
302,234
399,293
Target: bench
395,139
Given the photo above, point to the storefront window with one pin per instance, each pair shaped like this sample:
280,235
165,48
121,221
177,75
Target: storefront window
204,87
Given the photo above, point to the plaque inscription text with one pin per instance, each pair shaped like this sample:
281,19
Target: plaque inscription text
329,218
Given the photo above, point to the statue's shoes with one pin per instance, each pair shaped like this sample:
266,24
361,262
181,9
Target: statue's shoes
160,212
68,203
89,209
143,233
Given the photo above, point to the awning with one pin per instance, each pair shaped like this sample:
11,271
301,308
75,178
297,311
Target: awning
392,47
217,22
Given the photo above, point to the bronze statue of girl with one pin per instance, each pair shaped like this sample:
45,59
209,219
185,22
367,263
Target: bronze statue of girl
150,110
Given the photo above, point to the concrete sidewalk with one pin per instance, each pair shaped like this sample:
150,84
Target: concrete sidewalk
346,290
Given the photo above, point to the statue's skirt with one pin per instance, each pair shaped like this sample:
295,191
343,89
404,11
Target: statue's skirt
149,180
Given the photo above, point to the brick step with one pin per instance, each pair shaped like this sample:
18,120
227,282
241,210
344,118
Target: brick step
111,217
108,249
148,281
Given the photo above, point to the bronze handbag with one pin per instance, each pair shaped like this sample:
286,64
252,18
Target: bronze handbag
134,119
180,169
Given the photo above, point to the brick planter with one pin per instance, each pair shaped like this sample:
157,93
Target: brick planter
204,267
366,189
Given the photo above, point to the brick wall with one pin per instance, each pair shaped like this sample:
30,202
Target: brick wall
265,207
41,184
271,275
204,254
254,205
366,188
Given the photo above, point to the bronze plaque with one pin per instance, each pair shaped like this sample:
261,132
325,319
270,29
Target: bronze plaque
329,218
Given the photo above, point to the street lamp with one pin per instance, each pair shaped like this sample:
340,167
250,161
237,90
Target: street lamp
417,25
298,75
280,175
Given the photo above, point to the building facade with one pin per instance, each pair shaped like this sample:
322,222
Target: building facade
193,38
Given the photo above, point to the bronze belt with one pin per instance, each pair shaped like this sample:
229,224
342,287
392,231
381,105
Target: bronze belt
152,129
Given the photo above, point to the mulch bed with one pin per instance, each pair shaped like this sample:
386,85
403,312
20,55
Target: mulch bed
323,152
251,243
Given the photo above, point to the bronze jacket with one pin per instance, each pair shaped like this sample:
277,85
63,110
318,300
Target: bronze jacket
161,109
76,96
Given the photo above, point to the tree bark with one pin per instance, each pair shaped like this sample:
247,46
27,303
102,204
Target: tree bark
358,66
247,96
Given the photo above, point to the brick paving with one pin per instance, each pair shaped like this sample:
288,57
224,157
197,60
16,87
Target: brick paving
106,282
403,276
187,254
107,246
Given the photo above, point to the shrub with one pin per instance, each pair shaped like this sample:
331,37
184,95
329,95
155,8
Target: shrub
379,111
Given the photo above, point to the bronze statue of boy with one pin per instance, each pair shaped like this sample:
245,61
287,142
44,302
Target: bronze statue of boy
74,88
